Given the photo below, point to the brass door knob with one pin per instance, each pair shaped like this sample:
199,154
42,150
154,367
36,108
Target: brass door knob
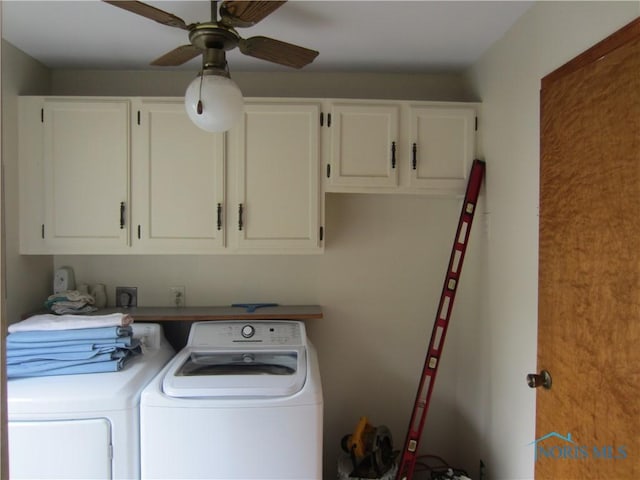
542,379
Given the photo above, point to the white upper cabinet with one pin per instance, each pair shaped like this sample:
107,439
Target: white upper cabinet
85,160
134,175
398,147
178,181
363,144
275,165
442,147
110,175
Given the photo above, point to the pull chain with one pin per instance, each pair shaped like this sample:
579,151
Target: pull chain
199,107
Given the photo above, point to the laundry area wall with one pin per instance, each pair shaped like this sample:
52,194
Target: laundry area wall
378,284
378,281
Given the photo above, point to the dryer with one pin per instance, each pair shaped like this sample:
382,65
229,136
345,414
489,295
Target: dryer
83,426
242,400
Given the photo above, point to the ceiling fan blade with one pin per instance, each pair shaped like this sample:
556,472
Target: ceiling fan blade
150,12
177,56
246,14
277,51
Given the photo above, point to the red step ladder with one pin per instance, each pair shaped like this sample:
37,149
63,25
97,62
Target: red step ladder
432,360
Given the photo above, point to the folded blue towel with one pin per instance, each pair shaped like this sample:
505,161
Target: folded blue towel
80,347
106,362
65,352
16,371
43,356
35,349
125,341
42,365
85,334
32,354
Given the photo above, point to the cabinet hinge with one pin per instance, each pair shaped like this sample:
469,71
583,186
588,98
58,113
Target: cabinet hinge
42,115
328,170
42,231
476,124
138,117
321,233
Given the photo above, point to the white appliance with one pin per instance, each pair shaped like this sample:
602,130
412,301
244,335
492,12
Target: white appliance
83,426
63,279
242,400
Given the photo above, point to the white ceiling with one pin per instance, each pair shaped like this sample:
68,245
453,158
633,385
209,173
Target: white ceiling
351,36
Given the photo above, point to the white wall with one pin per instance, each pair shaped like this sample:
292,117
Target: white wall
440,87
4,468
507,80
28,277
378,283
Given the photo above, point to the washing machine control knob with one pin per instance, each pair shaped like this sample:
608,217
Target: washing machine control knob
248,331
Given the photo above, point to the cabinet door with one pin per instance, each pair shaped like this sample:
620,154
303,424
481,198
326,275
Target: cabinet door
277,178
441,148
178,182
364,139
86,175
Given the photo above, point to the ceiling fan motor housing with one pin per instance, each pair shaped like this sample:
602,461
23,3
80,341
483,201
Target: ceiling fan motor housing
207,35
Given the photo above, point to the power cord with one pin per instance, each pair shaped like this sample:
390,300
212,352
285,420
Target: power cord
442,471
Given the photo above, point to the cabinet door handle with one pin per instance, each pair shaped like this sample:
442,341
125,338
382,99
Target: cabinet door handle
219,221
414,161
240,212
393,154
122,217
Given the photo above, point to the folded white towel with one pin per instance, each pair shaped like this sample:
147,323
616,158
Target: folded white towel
72,296
70,322
73,308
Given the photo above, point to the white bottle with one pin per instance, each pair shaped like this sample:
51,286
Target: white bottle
99,294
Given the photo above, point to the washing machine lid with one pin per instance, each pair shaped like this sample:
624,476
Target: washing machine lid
240,358
236,373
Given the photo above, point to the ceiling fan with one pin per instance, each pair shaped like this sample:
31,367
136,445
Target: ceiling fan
219,34
212,39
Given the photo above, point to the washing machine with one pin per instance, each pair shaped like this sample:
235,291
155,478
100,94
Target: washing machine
242,400
83,426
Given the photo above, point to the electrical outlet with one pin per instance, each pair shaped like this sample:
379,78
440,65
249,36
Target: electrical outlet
126,297
178,296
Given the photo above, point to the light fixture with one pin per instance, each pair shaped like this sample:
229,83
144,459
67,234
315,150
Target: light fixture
214,101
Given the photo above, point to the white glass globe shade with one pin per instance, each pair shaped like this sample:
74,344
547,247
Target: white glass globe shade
222,103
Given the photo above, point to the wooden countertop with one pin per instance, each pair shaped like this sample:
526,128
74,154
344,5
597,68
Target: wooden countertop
281,312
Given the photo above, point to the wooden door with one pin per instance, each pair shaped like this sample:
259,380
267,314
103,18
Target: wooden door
588,422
